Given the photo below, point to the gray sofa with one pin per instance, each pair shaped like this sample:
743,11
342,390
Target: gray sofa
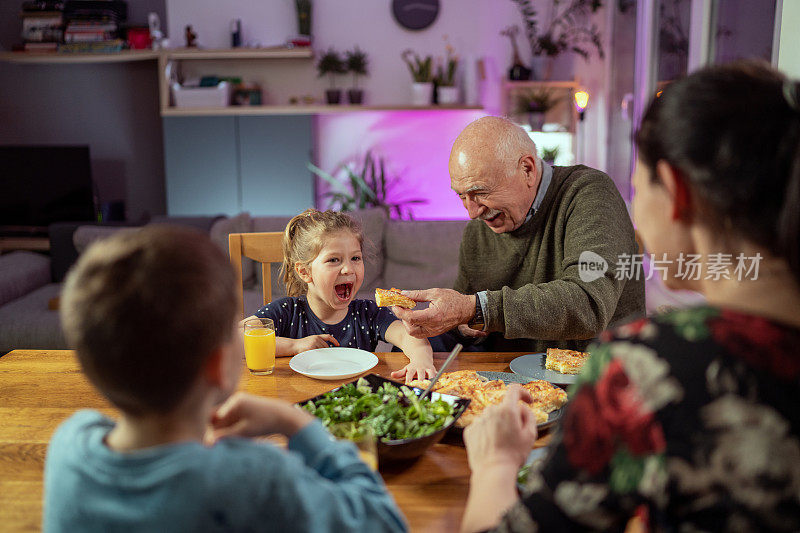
404,254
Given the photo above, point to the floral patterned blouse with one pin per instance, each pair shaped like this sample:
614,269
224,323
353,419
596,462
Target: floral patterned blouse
688,421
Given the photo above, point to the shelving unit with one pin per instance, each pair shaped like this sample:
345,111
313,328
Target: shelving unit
563,114
124,56
293,64
299,110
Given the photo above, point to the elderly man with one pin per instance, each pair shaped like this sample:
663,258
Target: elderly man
519,283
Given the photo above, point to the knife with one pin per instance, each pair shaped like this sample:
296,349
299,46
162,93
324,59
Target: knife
452,356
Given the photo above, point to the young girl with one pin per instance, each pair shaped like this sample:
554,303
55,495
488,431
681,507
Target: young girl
323,269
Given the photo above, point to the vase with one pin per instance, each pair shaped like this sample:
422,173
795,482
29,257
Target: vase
421,93
536,120
542,67
355,96
448,95
333,96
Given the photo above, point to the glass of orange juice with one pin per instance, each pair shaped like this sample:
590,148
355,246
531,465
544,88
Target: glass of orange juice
364,439
259,345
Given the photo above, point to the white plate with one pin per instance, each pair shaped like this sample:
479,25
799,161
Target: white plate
333,363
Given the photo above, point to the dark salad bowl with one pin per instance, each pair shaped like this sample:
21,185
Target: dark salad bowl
402,449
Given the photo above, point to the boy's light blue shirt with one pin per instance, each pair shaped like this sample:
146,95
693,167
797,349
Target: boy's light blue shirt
236,485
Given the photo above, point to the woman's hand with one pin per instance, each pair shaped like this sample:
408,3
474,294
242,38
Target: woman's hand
416,370
504,434
312,342
245,415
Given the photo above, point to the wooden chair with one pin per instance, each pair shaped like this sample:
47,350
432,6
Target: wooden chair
264,248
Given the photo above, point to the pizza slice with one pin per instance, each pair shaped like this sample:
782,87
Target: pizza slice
546,396
390,297
565,361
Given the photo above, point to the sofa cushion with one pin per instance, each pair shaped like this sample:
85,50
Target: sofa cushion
86,235
27,323
20,273
422,254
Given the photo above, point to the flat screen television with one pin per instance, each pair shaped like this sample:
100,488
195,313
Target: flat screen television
42,185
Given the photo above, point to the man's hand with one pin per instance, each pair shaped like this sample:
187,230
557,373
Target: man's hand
504,434
244,415
447,310
313,342
467,331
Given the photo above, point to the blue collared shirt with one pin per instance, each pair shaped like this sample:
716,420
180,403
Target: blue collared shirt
547,177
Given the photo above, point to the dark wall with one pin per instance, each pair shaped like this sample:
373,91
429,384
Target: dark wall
112,107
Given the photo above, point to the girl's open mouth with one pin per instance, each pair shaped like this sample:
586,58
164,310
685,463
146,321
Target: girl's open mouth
344,291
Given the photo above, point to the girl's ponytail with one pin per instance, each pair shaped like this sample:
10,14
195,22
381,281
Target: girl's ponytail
294,285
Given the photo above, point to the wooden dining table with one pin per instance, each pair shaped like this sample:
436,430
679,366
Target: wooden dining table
39,389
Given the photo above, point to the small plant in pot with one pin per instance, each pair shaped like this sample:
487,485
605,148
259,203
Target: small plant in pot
549,155
356,63
535,103
331,65
446,77
422,73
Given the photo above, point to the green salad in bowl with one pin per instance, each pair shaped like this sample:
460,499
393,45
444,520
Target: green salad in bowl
403,424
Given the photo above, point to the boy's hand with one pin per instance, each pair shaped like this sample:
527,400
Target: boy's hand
312,342
244,415
416,370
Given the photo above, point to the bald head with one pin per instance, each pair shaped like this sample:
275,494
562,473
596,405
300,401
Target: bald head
495,171
493,141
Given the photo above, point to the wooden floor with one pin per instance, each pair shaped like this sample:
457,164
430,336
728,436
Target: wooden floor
39,389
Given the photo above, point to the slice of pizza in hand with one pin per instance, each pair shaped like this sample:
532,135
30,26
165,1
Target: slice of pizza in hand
390,297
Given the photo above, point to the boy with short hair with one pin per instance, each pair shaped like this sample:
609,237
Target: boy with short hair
152,315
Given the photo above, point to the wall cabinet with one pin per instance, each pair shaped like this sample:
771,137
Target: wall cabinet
232,164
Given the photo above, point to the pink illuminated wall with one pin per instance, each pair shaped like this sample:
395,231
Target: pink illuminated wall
415,144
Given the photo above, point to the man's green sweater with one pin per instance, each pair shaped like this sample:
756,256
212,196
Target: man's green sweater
536,298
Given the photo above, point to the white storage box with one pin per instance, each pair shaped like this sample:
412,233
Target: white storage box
219,96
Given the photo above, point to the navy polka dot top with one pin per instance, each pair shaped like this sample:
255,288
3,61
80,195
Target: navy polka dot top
364,325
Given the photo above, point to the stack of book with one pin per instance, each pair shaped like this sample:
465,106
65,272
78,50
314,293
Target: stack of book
42,25
93,25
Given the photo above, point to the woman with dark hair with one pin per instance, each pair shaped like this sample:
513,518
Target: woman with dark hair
688,420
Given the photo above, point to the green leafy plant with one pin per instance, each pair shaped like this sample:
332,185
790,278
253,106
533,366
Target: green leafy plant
550,154
356,62
446,74
421,69
331,64
568,29
369,186
537,101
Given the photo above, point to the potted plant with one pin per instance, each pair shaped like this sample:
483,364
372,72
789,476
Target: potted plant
446,77
356,63
549,155
421,72
535,103
366,185
331,64
567,30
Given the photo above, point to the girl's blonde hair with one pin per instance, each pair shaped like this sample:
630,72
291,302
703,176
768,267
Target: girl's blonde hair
303,239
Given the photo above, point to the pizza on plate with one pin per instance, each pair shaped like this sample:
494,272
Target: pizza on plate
390,297
483,393
565,361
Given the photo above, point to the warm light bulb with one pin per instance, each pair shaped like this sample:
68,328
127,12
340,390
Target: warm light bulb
581,100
